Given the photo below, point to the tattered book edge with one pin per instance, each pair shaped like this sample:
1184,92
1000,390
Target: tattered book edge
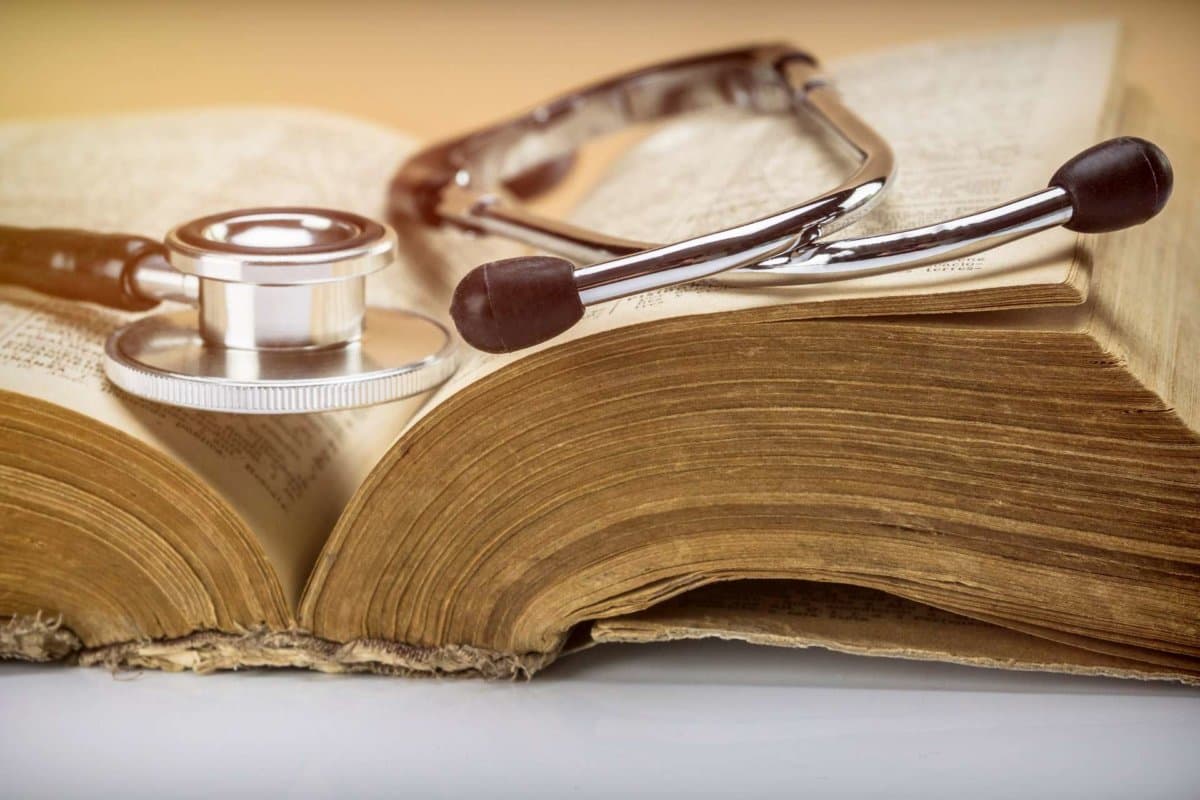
619,632
36,638
41,639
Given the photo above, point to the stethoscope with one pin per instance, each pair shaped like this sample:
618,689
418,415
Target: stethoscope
282,323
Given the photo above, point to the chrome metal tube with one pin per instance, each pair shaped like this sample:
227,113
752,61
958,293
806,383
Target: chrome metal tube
158,280
257,317
893,252
712,253
750,243
670,266
493,215
780,81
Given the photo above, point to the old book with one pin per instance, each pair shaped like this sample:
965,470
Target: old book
994,461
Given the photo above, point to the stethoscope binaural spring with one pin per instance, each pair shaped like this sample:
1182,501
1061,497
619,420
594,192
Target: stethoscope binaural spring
474,183
282,324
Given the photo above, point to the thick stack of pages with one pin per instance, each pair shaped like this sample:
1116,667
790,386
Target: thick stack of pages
994,461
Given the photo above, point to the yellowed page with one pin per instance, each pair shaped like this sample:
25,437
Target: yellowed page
288,476
973,123
853,619
1144,308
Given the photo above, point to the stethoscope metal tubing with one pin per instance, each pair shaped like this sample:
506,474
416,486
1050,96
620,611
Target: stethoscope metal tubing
641,267
903,250
749,255
820,262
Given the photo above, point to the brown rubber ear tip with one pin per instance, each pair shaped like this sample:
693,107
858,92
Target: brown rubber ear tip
515,303
1115,184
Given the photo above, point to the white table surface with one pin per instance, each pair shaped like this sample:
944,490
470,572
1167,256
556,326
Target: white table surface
689,719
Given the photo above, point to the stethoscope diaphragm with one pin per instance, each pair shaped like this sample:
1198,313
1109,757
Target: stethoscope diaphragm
282,324
165,359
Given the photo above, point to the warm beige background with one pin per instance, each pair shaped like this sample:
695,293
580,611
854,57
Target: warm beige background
435,68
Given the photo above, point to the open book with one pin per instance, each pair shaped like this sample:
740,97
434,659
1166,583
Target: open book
993,461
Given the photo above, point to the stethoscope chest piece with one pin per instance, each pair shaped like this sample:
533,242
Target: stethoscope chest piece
282,324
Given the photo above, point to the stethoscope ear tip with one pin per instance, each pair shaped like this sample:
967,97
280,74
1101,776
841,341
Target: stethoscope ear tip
1115,184
507,305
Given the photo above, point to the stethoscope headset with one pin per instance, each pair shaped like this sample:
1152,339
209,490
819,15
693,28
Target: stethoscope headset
281,323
